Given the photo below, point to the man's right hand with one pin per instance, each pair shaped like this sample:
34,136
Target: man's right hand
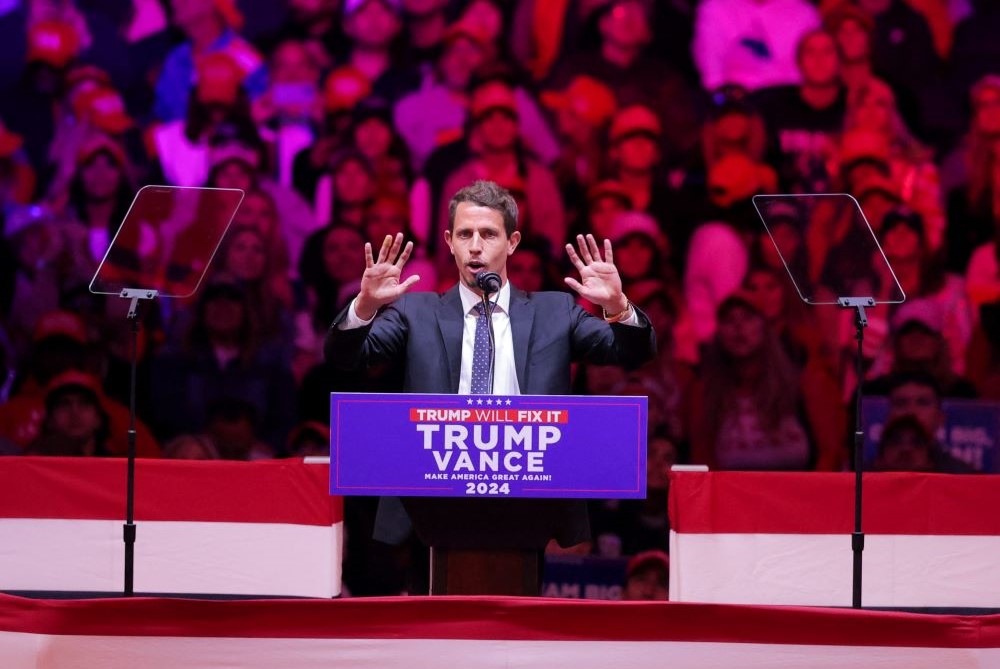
380,283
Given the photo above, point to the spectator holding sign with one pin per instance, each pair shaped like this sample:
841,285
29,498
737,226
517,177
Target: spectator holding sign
915,395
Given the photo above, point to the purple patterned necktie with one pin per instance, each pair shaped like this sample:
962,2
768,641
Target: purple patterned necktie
481,353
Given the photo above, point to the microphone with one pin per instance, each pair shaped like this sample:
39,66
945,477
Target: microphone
488,282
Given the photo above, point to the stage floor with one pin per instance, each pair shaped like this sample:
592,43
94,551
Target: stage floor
474,633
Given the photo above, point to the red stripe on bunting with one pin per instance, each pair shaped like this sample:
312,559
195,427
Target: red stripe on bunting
823,503
279,491
495,618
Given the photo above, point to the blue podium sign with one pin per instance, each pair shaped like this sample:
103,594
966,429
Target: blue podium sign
488,445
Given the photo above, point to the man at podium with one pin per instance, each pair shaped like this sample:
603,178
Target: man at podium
443,344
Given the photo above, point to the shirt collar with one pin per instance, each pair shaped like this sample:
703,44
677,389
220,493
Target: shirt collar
470,299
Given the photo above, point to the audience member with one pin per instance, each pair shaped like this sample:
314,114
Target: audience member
875,129
583,112
210,28
635,74
905,446
288,113
190,447
983,355
635,161
75,423
852,29
499,154
373,27
218,111
903,54
222,357
752,43
803,120
974,201
435,114
976,50
747,407
647,577
916,395
918,344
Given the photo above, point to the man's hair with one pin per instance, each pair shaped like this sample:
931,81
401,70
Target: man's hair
487,194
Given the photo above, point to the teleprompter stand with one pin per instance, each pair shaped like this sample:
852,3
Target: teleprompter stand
858,304
129,530
166,242
853,262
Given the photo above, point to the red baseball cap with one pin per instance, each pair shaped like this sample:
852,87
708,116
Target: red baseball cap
97,143
60,324
219,78
492,95
344,88
587,97
53,42
635,120
104,108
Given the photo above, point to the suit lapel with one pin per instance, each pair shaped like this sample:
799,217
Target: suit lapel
450,322
522,318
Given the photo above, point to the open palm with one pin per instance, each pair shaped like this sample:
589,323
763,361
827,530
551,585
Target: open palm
380,284
599,279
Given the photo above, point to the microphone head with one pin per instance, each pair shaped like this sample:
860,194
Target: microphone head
488,282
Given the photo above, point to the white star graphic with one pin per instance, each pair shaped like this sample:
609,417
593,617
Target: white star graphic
469,401
508,401
480,402
490,402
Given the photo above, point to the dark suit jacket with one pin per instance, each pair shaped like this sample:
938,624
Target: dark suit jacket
549,330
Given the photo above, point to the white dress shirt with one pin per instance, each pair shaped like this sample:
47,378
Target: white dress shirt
504,370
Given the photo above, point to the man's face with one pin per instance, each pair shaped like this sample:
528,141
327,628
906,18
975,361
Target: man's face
740,332
374,25
340,254
527,271
292,64
459,61
626,25
907,452
497,130
603,212
75,416
919,401
352,183
917,347
819,60
661,456
479,242
647,585
638,153
853,41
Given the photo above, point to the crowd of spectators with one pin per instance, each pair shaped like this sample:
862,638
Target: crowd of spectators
649,123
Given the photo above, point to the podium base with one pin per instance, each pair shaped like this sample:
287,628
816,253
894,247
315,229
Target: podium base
456,571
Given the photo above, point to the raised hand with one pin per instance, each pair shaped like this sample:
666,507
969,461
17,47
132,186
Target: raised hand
380,283
599,280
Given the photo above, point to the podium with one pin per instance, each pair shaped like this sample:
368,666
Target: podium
487,481
492,546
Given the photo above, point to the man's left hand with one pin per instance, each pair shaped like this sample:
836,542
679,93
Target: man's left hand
599,279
